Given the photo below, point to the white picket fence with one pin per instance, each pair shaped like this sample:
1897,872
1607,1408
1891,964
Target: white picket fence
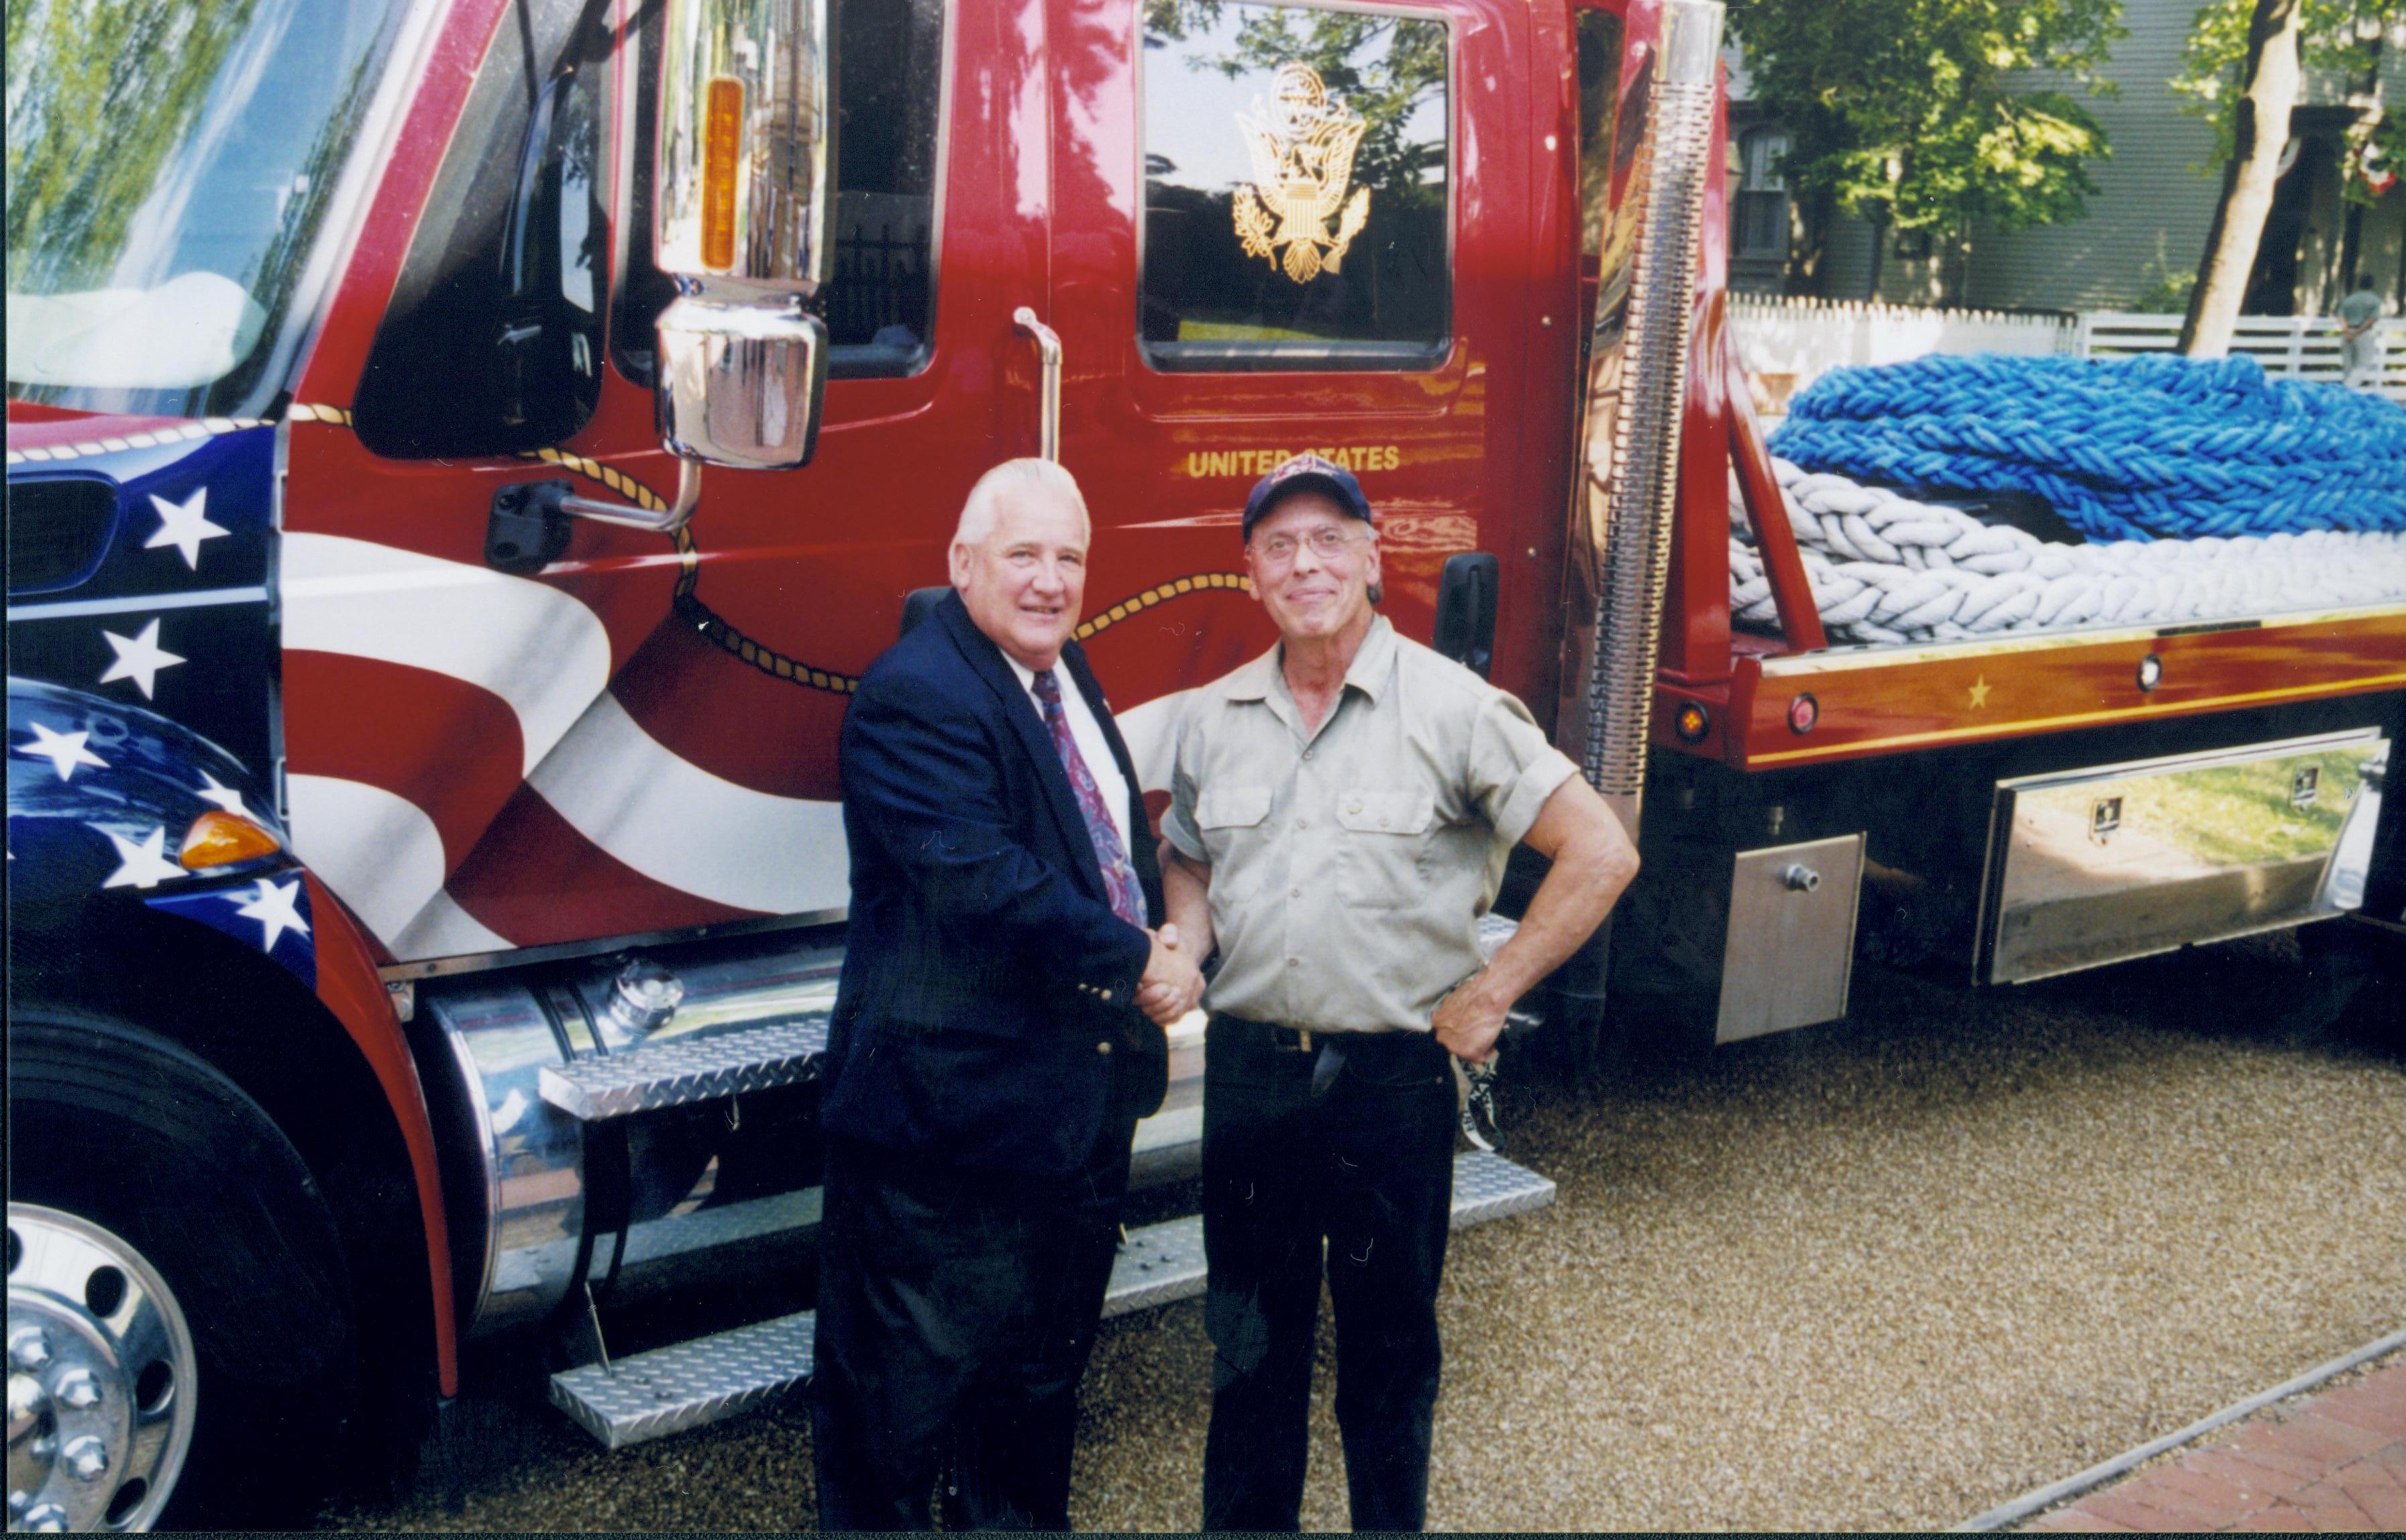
1786,343
2306,347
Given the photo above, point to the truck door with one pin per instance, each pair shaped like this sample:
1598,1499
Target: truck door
1282,227
637,735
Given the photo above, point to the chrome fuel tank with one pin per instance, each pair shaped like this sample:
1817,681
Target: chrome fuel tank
701,1180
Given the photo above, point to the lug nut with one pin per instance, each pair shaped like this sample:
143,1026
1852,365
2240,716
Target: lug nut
29,1347
85,1458
77,1389
25,1400
50,1518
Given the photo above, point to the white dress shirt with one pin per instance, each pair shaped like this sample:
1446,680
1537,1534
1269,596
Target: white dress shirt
1093,746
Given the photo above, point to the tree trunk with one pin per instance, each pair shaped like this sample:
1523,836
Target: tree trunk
1808,271
2260,131
2351,247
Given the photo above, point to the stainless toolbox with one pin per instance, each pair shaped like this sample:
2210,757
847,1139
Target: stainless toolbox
1789,952
2094,865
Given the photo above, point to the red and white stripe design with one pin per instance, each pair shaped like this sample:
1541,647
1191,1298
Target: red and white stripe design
462,775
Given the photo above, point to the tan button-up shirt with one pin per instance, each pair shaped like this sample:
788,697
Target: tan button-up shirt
1349,866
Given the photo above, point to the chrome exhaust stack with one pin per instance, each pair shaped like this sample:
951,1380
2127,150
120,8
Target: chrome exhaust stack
1630,481
1633,403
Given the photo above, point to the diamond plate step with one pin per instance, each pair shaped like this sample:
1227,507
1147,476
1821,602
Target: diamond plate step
1163,1263
676,1073
687,1384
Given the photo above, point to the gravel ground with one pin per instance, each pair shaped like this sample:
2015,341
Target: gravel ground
1883,1274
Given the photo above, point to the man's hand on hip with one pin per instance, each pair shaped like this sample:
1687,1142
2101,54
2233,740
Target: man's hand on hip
1468,1021
1172,981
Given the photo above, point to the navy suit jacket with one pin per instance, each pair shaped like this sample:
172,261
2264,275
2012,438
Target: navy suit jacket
988,995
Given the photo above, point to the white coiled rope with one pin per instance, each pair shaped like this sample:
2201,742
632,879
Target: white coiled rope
1885,569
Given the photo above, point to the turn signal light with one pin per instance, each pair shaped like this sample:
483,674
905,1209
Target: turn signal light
1692,724
219,838
722,145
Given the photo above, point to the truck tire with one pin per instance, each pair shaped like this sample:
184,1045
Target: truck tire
166,1239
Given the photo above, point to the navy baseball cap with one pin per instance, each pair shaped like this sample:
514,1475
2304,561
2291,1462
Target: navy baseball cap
1305,474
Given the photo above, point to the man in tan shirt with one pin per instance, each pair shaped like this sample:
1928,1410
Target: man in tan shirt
1340,816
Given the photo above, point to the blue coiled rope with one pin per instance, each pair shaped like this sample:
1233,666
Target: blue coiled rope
2156,448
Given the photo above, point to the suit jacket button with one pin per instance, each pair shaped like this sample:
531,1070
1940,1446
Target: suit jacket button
1106,995
1103,1047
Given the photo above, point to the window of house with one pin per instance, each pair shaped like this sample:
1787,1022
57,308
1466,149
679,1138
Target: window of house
1758,222
1298,183
879,298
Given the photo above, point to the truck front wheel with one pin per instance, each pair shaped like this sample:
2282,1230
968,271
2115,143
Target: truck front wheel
180,1335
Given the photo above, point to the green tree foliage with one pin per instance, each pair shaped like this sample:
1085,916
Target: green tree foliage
101,94
1907,112
2341,41
1383,66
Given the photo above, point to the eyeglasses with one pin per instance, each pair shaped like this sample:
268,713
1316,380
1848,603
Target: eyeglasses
1327,542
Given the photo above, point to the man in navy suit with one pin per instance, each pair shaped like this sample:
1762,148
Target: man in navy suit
988,1059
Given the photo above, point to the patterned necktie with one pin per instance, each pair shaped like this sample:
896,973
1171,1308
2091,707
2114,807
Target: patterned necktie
1119,877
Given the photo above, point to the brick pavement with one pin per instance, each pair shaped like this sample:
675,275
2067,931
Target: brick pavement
2330,1462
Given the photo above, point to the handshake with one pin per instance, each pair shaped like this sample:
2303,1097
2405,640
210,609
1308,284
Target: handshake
1173,979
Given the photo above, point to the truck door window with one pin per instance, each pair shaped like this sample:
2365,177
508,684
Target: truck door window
880,301
492,344
1298,169
889,78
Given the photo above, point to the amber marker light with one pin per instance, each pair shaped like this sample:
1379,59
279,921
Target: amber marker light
219,838
1692,722
722,142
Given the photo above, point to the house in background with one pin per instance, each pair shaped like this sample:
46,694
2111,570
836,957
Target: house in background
2147,224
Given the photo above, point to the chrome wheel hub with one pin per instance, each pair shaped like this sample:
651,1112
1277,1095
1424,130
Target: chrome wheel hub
101,1375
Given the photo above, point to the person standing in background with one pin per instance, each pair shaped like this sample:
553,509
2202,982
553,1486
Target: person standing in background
2360,336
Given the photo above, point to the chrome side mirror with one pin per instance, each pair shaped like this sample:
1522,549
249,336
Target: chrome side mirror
746,193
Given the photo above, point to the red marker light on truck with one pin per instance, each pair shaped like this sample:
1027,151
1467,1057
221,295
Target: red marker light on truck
1803,712
723,140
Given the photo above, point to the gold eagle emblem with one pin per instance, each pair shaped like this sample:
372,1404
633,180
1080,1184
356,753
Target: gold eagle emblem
1302,148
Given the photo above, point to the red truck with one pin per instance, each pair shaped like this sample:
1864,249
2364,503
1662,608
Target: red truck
462,453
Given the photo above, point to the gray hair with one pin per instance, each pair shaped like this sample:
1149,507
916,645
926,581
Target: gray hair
1008,481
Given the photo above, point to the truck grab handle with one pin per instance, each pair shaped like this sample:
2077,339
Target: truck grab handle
1048,356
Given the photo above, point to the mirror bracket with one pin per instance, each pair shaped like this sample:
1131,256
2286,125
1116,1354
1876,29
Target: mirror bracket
527,527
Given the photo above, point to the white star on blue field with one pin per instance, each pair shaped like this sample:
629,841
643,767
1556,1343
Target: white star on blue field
65,751
184,525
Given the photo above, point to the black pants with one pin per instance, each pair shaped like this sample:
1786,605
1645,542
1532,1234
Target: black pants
1365,1161
956,1310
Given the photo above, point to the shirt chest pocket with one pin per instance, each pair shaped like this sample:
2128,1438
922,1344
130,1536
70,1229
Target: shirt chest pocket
1231,819
1385,846
1230,815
